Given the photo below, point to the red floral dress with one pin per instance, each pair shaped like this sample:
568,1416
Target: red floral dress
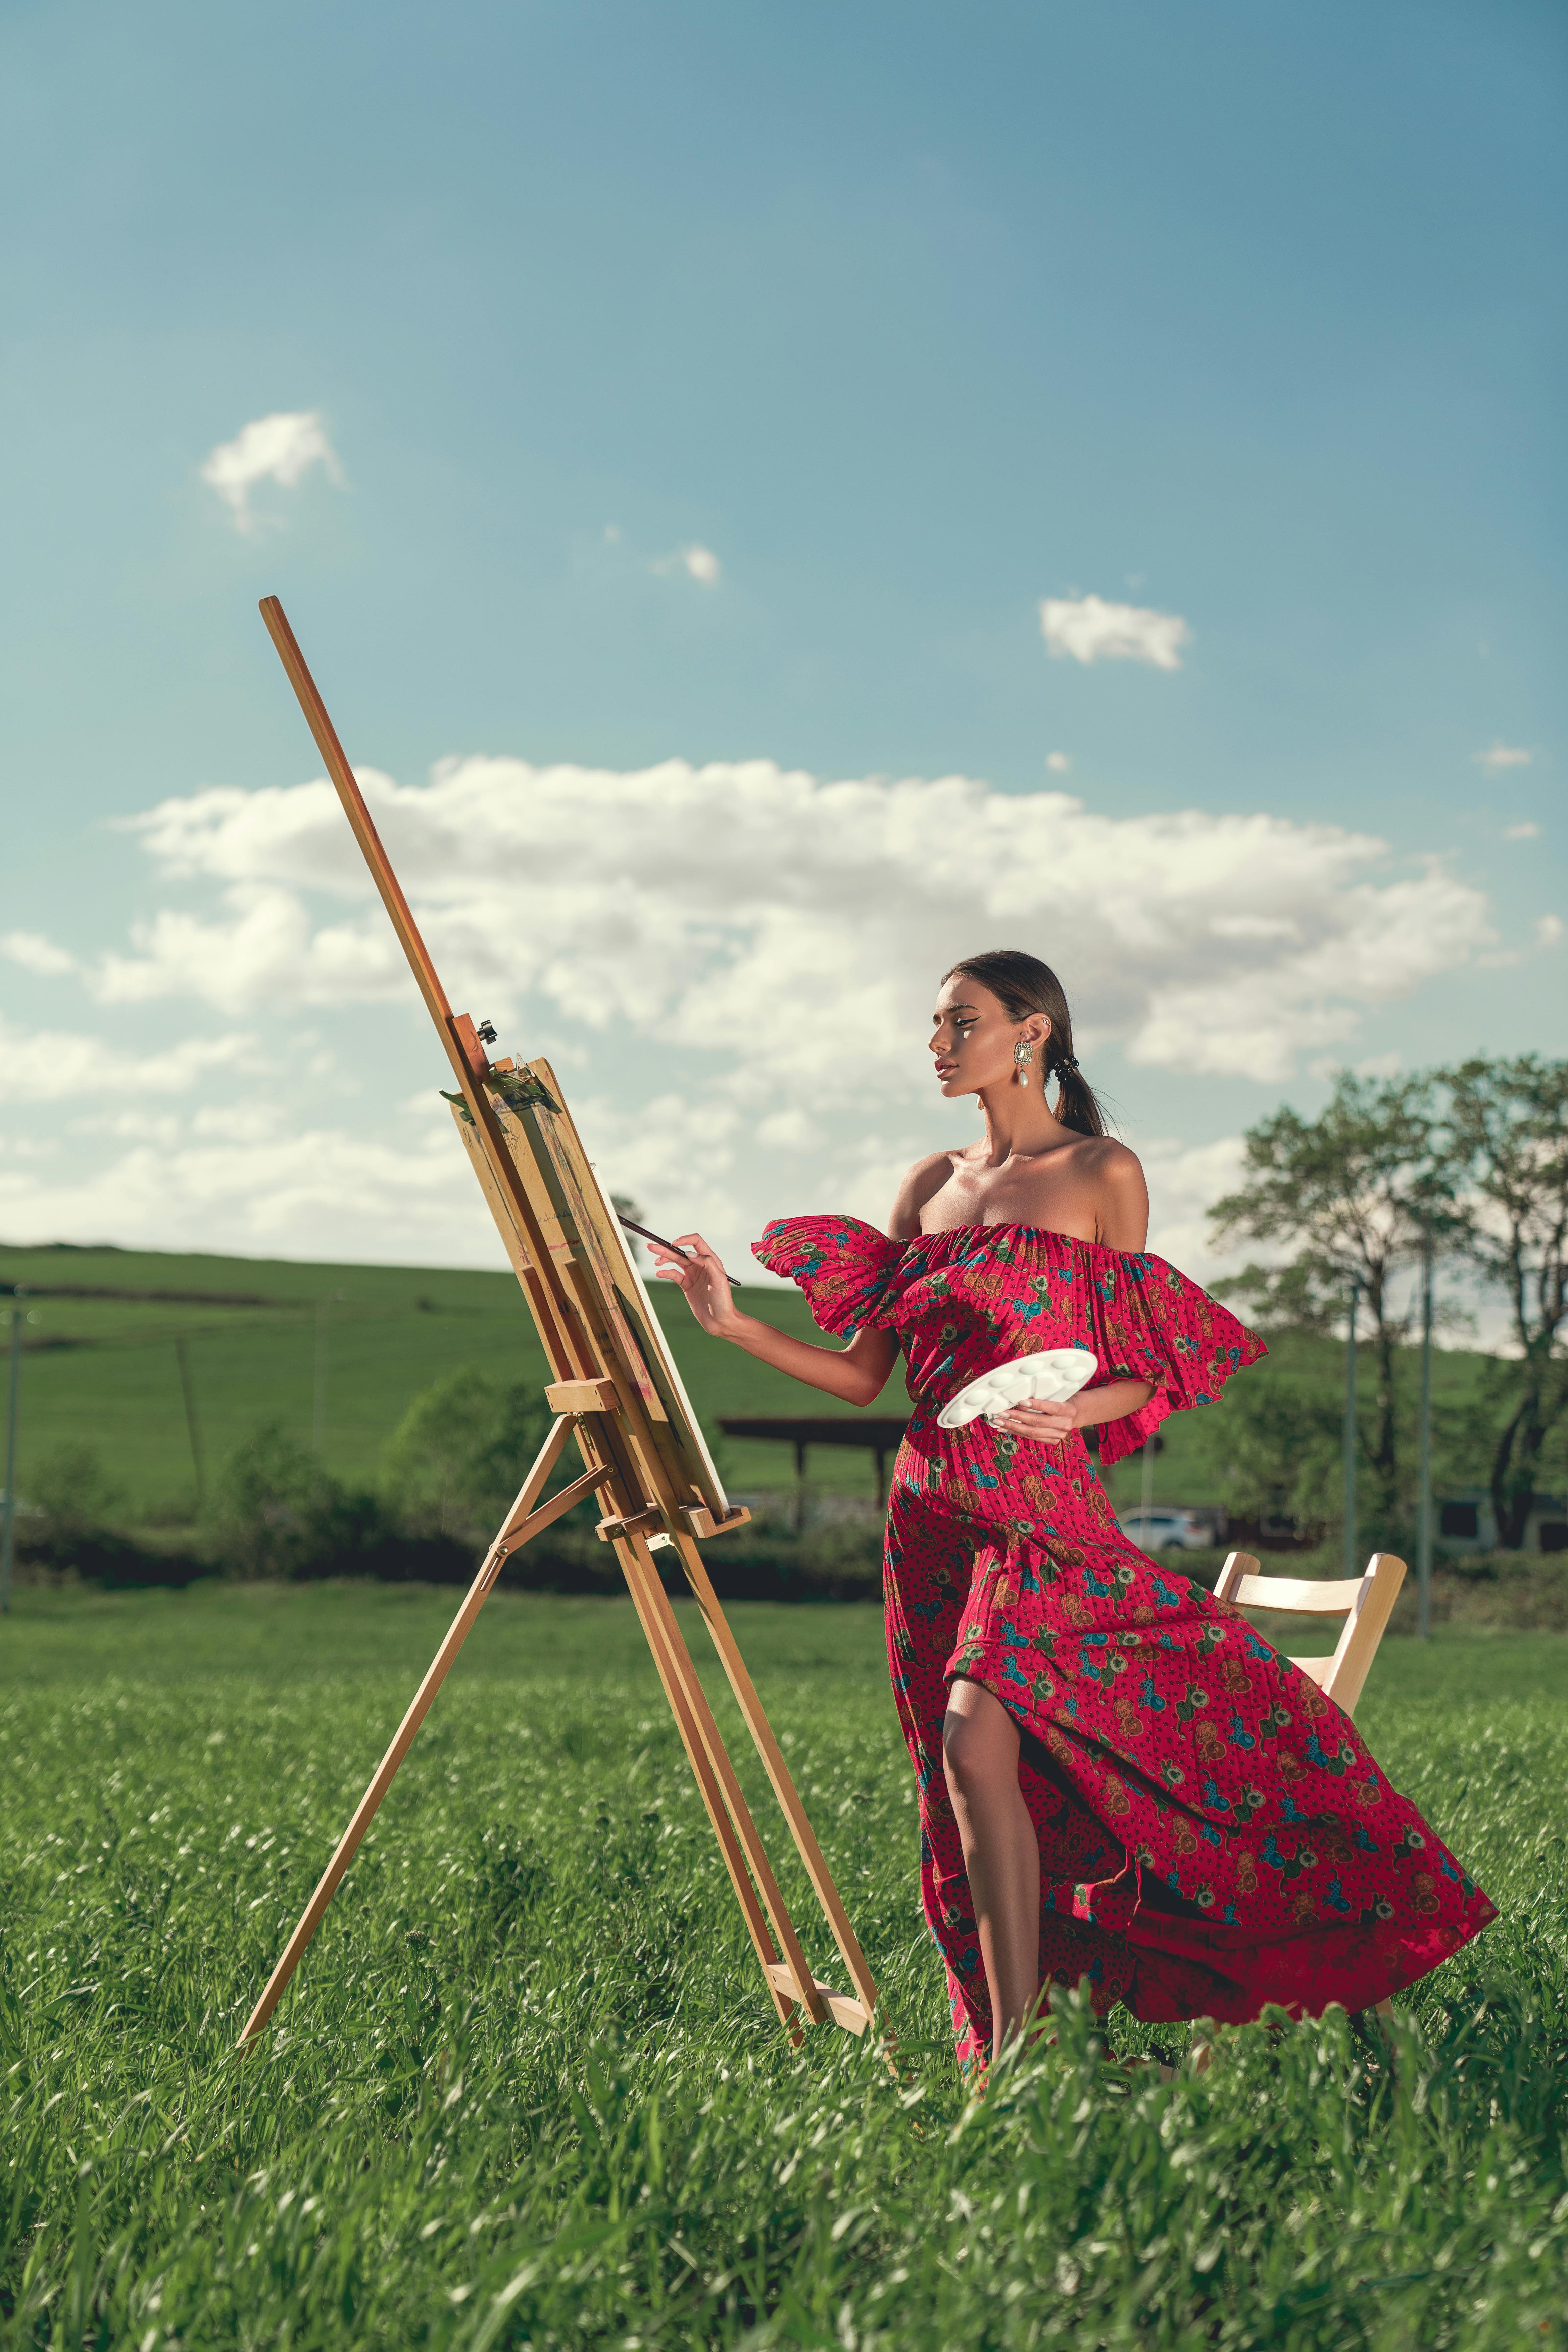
1214,1834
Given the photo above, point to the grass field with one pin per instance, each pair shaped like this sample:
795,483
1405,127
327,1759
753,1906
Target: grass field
104,1369
529,2092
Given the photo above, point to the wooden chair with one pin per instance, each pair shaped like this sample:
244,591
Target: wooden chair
1365,1602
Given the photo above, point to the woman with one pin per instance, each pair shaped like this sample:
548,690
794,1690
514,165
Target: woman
1118,1779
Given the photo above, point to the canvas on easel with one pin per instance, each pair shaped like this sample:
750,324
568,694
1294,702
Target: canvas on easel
616,1391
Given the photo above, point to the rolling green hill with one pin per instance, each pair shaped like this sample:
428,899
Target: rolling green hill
101,1363
101,1366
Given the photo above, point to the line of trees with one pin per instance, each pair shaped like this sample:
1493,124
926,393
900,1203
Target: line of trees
1471,1160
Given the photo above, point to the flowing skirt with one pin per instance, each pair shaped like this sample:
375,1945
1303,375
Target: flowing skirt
1214,1834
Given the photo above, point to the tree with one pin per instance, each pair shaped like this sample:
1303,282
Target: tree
278,1513
1508,1140
1272,1443
457,1458
73,1491
1350,1195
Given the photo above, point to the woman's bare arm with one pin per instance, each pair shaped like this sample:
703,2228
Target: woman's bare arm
1049,1425
857,1373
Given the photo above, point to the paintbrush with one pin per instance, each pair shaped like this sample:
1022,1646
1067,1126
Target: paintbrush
643,1233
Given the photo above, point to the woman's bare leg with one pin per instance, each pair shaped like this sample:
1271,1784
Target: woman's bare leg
1001,1852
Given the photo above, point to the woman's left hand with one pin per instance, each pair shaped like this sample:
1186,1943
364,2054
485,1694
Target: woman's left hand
1048,1424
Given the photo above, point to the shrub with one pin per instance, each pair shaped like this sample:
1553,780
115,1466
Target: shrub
773,1559
73,1493
457,1458
277,1512
1273,1444
64,1534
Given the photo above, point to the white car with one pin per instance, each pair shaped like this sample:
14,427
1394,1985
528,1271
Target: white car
1166,1530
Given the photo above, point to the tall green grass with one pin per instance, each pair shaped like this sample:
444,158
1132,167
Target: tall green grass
527,2091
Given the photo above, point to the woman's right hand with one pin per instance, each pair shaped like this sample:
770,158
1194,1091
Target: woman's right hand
857,1373
703,1279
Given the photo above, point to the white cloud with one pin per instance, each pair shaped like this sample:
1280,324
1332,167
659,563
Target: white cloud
256,1120
238,961
1501,756
698,563
1526,831
792,927
278,449
1087,629
1057,762
1185,1180
162,1127
321,1193
37,954
790,1130
1548,932
676,1154
41,1067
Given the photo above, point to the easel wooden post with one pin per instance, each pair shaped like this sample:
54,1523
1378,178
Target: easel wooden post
616,1389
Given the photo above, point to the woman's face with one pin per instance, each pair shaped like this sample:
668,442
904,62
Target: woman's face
972,1038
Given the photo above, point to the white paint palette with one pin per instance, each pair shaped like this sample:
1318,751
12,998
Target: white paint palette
1048,1378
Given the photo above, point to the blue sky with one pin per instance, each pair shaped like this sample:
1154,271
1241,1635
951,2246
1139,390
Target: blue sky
911,319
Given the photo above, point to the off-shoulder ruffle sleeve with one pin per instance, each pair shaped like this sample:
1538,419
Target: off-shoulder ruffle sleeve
847,1269
1147,1322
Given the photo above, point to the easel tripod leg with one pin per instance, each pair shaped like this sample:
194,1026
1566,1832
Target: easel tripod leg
641,1573
778,1772
457,1632
677,1667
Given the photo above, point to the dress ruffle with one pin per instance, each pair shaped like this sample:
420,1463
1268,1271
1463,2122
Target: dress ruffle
847,1268
1142,1318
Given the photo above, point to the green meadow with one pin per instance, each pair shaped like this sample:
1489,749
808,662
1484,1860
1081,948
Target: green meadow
101,1368
527,2089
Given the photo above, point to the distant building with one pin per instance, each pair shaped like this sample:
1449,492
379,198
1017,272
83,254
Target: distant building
1467,1522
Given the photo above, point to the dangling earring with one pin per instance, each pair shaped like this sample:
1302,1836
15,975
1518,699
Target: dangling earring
1023,1055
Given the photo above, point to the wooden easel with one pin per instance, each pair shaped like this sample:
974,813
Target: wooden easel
616,1390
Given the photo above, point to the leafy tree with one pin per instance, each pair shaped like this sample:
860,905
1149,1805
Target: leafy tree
1273,1443
1508,1140
73,1491
456,1458
276,1512
1349,1195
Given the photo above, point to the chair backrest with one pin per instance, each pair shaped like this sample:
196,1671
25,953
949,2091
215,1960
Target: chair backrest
1365,1602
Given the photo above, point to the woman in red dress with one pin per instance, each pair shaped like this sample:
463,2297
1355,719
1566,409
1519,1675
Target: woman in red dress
1118,1779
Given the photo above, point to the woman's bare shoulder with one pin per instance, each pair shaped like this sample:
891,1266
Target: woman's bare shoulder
1110,1163
1121,1192
925,1178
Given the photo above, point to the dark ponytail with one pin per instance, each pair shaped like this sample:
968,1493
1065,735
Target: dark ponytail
1022,984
